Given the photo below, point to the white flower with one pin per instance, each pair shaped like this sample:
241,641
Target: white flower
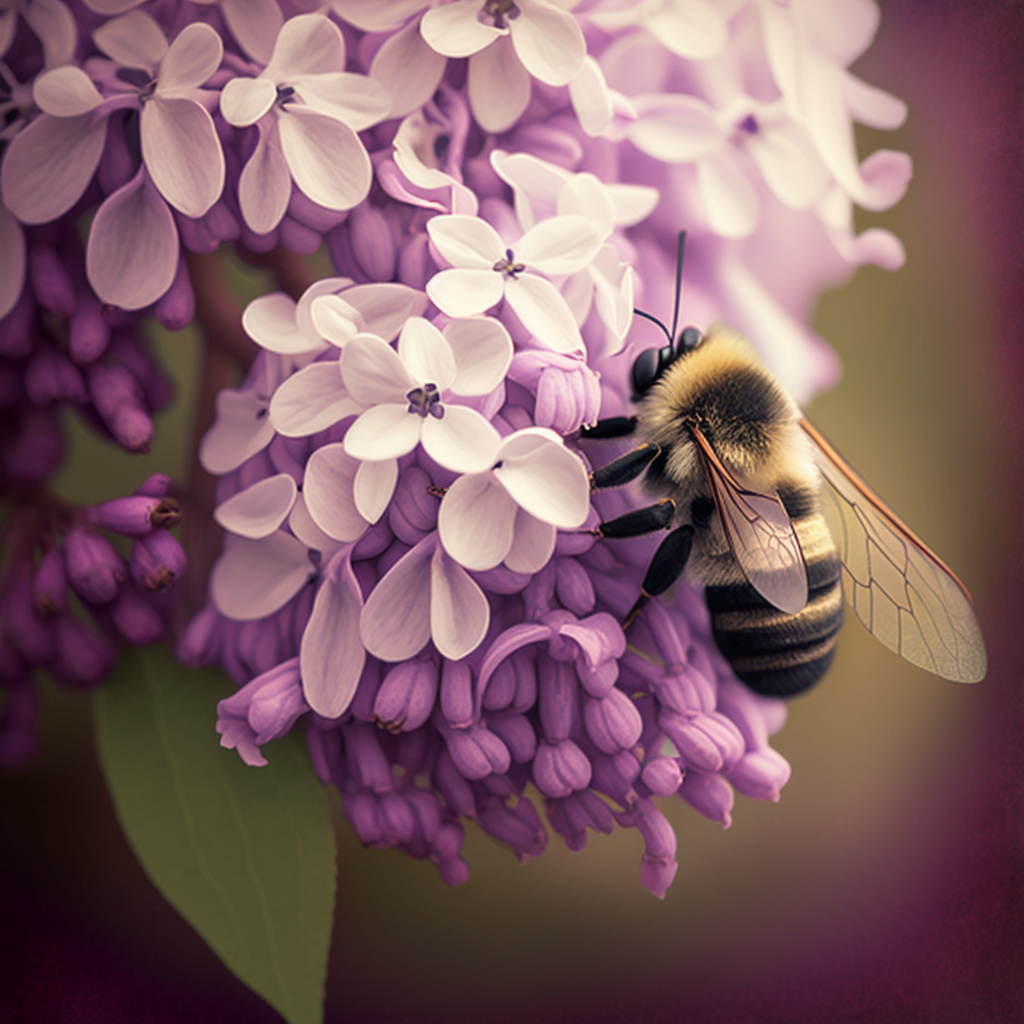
692,29
51,21
510,512
485,269
307,111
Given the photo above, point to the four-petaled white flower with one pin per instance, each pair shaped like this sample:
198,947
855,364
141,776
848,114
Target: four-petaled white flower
485,269
510,512
307,110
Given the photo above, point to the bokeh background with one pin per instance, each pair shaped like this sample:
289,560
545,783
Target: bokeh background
888,883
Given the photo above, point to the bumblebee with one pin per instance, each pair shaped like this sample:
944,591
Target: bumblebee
744,482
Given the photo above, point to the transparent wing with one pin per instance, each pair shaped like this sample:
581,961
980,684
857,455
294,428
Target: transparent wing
900,590
759,533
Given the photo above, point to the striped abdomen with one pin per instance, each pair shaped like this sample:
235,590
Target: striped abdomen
774,653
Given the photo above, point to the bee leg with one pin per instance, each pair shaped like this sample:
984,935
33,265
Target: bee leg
639,521
625,468
612,426
666,567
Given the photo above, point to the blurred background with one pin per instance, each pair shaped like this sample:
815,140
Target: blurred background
888,883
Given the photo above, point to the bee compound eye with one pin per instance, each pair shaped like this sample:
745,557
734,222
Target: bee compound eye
645,370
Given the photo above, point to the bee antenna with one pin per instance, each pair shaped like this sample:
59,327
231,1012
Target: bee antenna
680,252
655,320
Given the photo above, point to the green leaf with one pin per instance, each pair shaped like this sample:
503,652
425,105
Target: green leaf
246,855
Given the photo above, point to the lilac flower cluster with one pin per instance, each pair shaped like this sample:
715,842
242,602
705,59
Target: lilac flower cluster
410,567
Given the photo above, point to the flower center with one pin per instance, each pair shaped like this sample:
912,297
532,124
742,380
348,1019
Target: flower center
499,12
284,94
508,265
749,125
426,401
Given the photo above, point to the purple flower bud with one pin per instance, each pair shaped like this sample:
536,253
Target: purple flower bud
558,699
297,237
415,264
88,331
134,617
81,657
412,513
616,776
17,334
118,164
177,306
263,710
51,377
571,816
50,584
426,810
260,647
406,695
597,644
366,692
568,391
324,749
573,586
760,774
457,693
361,810
312,215
94,568
454,870
364,758
709,795
155,486
476,751
156,560
709,743
33,453
51,282
662,775
27,634
371,242
131,349
118,400
18,715
453,786
202,641
135,515
612,722
658,867
516,732
560,768
519,827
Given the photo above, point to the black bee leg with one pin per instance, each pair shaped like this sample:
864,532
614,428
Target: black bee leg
625,468
666,567
613,426
639,521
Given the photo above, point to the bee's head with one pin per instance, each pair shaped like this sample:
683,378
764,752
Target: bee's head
652,363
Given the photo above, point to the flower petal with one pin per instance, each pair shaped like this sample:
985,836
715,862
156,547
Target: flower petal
499,86
255,24
193,56
308,44
459,292
385,307
304,526
255,578
242,429
311,400
355,99
590,99
373,371
134,40
549,42
676,129
483,353
563,245
790,165
12,256
395,623
270,321
730,200
691,29
466,241
462,440
476,521
66,92
328,490
383,432
456,30
543,312
409,69
533,544
133,249
325,157
459,611
182,153
265,185
545,478
260,509
332,656
243,101
374,486
53,25
426,353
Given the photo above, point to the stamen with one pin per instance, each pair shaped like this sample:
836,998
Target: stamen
508,265
426,401
749,125
499,12
284,94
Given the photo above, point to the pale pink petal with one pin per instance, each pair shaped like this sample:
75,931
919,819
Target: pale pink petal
304,526
549,42
332,656
460,292
243,101
374,372
545,478
533,544
885,176
613,291
134,40
193,56
455,29
265,184
409,69
588,92
483,353
730,200
459,612
691,29
676,129
270,321
395,623
328,490
259,510
325,157
311,400
54,26
377,15
499,86
242,429
872,106
427,355
112,7
12,257
133,250
536,184
385,307
585,195
304,309
560,245
308,44
633,203
66,92
334,319
790,164
48,165
182,153
255,578
462,440
466,242
374,486
255,24
476,521
355,99
383,432
543,312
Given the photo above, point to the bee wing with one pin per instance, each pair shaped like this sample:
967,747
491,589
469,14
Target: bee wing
900,590
759,533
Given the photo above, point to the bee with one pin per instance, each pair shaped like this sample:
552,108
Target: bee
743,483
